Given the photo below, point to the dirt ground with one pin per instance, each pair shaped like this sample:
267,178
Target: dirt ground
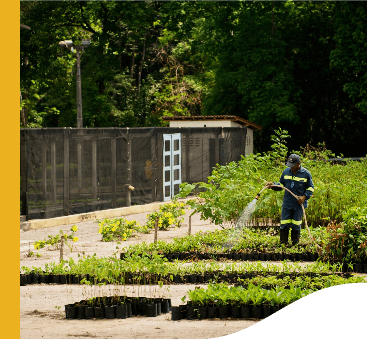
41,317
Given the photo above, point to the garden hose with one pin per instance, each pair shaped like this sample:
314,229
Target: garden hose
305,218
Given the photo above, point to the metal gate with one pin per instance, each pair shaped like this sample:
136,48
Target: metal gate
172,165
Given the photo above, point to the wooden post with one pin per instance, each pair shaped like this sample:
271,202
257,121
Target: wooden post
94,167
156,227
113,172
79,160
24,172
129,166
190,225
44,171
53,171
66,172
61,248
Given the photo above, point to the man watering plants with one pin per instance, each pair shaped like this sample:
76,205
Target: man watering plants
299,181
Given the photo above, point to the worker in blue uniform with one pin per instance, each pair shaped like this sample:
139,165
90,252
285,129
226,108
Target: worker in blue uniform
299,181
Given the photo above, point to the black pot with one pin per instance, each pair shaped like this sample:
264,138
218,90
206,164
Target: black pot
183,311
35,278
44,278
212,312
223,277
99,312
175,256
54,278
29,278
268,257
175,313
243,257
232,278
257,312
208,277
275,257
165,307
223,312
255,257
202,312
261,257
109,312
267,311
245,312
81,313
89,312
186,278
151,309
235,312
62,279
129,309
177,278
70,311
250,257
121,311
135,308
191,312
23,280
200,278
193,278
236,257
158,307
281,257
182,256
357,268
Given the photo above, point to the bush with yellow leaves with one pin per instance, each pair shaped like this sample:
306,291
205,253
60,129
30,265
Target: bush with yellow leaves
169,214
119,229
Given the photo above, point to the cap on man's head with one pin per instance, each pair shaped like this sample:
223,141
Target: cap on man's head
293,160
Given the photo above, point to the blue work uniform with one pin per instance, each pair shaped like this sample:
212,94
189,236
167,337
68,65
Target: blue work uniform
299,184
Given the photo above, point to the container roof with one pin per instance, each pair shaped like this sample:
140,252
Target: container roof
236,119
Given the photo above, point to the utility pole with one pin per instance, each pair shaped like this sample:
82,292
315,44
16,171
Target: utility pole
79,48
79,91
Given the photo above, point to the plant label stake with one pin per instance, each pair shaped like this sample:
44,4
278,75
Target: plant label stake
190,225
156,227
61,248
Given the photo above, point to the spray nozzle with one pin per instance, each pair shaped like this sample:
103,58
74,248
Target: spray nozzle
258,195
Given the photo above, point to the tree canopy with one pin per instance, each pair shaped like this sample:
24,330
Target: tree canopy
295,64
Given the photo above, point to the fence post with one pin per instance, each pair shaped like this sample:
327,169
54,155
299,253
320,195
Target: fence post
53,171
24,172
156,228
94,166
44,170
113,171
129,165
66,172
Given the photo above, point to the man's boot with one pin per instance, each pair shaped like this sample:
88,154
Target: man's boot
284,235
295,236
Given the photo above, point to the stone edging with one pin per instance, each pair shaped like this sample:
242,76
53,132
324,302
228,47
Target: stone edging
102,214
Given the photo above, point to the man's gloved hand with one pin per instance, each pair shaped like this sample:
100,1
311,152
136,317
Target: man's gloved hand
269,185
301,199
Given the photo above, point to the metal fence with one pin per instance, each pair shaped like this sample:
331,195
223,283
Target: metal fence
68,171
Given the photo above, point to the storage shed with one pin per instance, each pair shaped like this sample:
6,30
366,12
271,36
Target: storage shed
227,121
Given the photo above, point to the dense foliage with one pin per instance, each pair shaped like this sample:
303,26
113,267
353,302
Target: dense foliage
230,188
298,64
346,242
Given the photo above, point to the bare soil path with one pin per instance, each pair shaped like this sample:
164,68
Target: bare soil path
42,306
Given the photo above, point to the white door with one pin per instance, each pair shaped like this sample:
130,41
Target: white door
172,165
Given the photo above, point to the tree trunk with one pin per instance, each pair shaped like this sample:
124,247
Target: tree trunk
141,64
